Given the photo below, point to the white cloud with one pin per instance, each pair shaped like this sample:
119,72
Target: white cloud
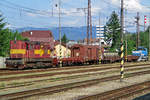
95,10
132,5
8,26
31,14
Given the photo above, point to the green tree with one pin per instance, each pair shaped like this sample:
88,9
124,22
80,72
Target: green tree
113,31
2,36
131,42
144,38
64,39
5,36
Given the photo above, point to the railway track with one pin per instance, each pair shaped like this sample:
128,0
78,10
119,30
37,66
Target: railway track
67,78
61,73
12,72
65,87
120,93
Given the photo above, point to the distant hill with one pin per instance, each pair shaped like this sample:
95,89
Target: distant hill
72,33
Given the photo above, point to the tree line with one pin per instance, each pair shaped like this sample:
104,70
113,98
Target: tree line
5,36
112,33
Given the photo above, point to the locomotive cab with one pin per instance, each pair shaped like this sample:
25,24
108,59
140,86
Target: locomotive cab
27,54
17,54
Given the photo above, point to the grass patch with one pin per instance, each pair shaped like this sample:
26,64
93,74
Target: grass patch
2,85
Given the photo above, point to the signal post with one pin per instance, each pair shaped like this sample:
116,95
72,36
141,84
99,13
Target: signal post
122,46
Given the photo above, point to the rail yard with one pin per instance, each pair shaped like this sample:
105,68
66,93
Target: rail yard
74,50
42,83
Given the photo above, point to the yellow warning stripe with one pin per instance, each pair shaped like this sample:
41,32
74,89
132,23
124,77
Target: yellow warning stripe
122,69
39,52
122,48
17,51
49,52
122,76
122,62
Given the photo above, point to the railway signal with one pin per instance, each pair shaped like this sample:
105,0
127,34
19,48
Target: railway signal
145,19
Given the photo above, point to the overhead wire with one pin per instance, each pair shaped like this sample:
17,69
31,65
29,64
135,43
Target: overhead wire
15,8
20,9
27,9
20,20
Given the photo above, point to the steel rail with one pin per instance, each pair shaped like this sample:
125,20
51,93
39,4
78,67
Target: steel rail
64,87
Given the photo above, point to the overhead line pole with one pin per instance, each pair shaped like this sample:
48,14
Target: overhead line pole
122,20
88,17
90,21
60,58
138,30
126,43
100,46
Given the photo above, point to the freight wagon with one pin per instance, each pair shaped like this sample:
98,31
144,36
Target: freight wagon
82,54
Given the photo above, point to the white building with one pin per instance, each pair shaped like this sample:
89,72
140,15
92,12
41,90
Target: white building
100,34
71,43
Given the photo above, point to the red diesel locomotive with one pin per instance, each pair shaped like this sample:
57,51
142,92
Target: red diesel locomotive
25,54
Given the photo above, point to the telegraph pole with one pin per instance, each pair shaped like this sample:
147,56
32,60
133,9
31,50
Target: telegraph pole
138,30
60,57
122,46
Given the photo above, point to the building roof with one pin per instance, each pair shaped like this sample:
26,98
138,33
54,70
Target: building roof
37,35
57,43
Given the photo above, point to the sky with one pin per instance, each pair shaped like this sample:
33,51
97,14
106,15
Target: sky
44,13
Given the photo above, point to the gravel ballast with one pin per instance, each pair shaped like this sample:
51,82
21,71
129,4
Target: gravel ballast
74,94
